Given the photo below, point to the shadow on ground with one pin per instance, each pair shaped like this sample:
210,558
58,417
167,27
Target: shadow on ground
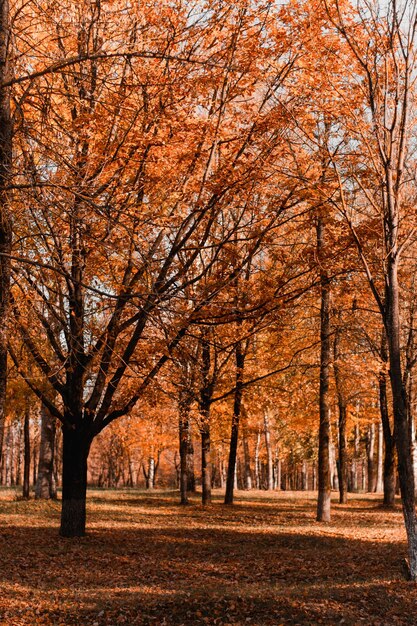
166,565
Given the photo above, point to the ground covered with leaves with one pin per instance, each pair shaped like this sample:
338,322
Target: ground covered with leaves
146,560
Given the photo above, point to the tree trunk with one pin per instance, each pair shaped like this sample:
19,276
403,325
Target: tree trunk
184,426
342,460
6,139
304,476
186,480
234,436
6,454
206,394
190,464
34,465
399,397
11,455
342,406
269,457
334,476
219,469
412,423
324,494
380,460
19,452
75,451
205,464
257,472
26,455
246,457
370,451
58,457
150,474
389,458
45,483
277,471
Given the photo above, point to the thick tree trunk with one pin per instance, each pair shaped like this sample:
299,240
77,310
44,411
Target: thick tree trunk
399,397
45,483
76,447
234,436
324,494
26,454
6,139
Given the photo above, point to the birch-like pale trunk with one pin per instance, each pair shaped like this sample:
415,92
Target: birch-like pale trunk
269,457
380,460
45,487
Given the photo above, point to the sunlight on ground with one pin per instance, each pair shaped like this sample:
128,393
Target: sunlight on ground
146,560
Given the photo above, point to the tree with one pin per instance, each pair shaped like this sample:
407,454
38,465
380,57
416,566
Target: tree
6,143
45,487
121,212
382,41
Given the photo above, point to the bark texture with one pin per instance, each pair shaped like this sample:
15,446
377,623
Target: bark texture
6,139
269,457
234,436
323,502
185,442
45,483
76,446
26,455
342,406
389,478
206,395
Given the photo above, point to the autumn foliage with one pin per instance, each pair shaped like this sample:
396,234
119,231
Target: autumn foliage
207,251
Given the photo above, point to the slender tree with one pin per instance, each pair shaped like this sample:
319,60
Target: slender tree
6,141
382,46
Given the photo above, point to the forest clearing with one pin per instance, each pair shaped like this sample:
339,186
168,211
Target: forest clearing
208,297
147,560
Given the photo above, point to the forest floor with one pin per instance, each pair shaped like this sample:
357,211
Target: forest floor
146,560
